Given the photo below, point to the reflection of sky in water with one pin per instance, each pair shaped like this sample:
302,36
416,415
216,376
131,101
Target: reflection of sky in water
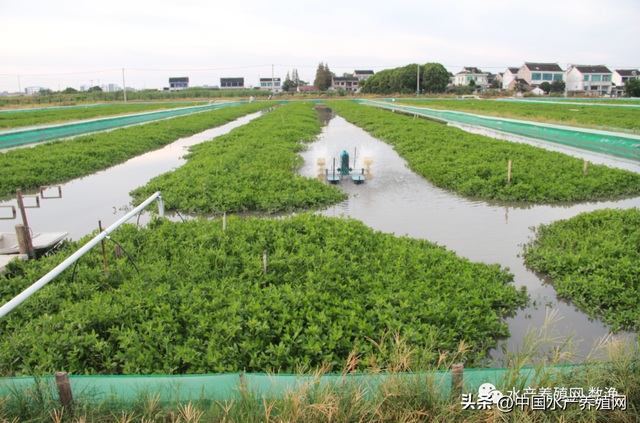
400,201
101,196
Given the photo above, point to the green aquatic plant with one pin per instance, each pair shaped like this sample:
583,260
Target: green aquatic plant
594,259
251,168
62,160
476,165
203,302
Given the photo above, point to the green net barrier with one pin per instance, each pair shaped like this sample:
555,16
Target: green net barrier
227,386
16,137
527,100
603,142
84,106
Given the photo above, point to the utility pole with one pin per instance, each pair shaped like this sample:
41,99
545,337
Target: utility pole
124,87
273,86
19,87
418,87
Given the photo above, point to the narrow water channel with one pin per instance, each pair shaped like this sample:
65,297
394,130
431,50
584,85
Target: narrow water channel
105,195
399,201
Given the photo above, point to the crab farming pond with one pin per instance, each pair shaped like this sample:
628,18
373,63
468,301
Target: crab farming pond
396,200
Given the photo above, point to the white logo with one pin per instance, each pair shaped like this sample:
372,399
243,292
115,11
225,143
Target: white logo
488,393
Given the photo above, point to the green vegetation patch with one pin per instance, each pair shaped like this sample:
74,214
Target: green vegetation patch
202,303
42,117
251,168
62,160
476,165
565,114
594,259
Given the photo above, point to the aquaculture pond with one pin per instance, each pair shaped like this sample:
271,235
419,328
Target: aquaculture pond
105,195
400,201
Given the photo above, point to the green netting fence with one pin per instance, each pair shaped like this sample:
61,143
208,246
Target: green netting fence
226,386
602,142
23,136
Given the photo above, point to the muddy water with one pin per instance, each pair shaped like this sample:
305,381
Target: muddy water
400,201
105,195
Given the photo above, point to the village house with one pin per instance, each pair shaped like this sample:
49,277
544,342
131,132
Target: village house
232,83
509,75
347,83
362,74
537,73
591,79
271,84
177,84
467,74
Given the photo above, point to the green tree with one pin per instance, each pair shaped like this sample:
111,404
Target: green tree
328,75
557,86
94,89
546,87
495,84
323,77
434,78
519,87
472,83
70,90
632,88
45,91
287,84
361,82
347,74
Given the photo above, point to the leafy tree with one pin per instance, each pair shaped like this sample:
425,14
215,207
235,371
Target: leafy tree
70,90
361,82
45,91
546,87
632,88
462,89
472,83
519,87
323,77
557,86
434,78
94,89
495,84
287,84
347,74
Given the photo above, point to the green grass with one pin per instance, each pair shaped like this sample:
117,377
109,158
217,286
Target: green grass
62,115
201,303
594,260
251,168
602,117
60,161
475,165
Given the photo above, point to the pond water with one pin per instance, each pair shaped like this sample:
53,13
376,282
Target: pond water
399,201
105,195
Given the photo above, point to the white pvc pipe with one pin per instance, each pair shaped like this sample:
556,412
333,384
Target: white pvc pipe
5,309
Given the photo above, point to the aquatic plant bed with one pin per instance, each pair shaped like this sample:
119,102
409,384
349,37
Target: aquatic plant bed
594,260
600,117
476,165
251,168
43,117
203,304
60,161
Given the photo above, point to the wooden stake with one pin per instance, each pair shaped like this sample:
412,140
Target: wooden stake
457,373
224,221
509,173
104,256
118,252
64,388
25,245
282,118
264,261
21,207
586,163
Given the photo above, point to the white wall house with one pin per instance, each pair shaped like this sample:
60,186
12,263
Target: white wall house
179,83
362,74
621,76
271,84
537,73
595,79
32,90
509,75
232,83
470,73
347,83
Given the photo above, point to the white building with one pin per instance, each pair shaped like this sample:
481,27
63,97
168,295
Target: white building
271,84
468,73
232,83
32,90
537,73
509,75
347,83
594,79
178,83
621,76
362,74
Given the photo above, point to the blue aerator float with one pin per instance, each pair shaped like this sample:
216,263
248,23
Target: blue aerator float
345,170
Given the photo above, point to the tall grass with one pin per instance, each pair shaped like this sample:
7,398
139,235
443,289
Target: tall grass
398,387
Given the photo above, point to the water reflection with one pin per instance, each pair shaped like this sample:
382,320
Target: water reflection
399,201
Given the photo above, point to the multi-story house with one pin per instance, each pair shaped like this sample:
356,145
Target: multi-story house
347,83
470,73
180,83
595,79
271,84
537,73
620,76
510,75
362,74
232,83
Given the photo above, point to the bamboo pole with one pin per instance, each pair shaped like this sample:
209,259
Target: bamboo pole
25,246
64,388
224,221
104,256
586,163
509,173
264,262
457,373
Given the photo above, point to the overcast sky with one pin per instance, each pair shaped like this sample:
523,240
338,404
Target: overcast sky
73,43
